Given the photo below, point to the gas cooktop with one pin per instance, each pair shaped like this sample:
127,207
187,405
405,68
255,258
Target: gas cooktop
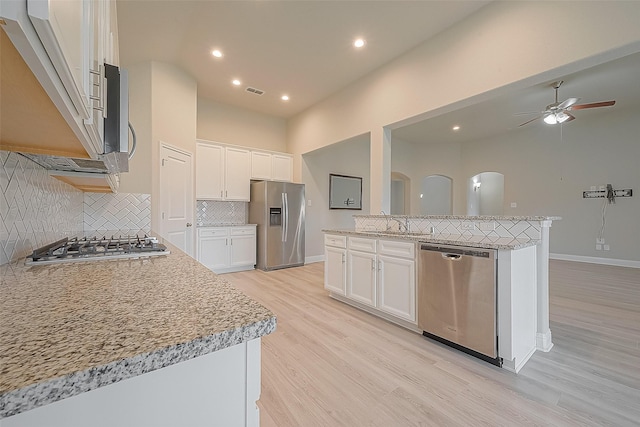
95,249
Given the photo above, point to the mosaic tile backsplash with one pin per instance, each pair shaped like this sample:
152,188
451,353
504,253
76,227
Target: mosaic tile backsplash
210,213
125,212
35,209
492,228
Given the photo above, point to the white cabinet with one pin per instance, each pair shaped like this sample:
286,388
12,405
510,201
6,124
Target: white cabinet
76,35
227,249
361,279
335,258
222,173
271,166
397,287
261,167
381,274
282,167
237,177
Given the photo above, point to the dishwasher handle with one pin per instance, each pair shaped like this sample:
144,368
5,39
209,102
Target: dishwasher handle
451,257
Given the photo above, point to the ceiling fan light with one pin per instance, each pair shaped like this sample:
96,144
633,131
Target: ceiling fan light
551,119
562,117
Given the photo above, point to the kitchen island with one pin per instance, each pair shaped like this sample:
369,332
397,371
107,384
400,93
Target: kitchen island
149,341
375,267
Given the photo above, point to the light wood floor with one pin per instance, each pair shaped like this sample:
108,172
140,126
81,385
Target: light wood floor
329,364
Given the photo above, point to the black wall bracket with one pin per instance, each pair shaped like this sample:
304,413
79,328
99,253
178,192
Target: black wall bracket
603,194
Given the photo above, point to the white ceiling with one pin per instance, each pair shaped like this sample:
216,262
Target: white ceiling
301,48
616,80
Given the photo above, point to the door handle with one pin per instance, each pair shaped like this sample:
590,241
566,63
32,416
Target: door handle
189,224
451,257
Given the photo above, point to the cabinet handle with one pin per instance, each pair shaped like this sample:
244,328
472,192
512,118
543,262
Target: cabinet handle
379,266
220,193
373,265
343,258
226,193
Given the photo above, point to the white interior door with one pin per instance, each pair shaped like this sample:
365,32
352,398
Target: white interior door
176,197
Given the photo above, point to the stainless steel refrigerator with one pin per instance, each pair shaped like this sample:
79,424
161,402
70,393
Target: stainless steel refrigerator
278,208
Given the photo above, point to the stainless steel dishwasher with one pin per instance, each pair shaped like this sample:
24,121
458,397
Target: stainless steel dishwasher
457,295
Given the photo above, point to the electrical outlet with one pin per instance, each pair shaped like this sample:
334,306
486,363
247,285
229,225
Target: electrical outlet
593,188
514,205
598,247
606,247
487,226
601,241
602,188
468,226
309,202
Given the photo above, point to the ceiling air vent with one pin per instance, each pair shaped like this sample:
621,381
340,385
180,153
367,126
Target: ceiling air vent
255,91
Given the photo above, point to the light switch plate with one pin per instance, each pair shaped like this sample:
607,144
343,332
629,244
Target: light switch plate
514,205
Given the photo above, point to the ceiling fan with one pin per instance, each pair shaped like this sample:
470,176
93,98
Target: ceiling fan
559,112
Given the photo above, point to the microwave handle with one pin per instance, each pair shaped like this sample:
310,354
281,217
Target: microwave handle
133,141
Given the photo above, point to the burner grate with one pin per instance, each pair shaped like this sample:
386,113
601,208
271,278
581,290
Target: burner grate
89,248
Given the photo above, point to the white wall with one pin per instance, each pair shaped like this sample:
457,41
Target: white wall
545,173
471,62
163,102
232,125
347,158
420,160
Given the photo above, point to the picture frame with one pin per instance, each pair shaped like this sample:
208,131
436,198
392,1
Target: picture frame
345,192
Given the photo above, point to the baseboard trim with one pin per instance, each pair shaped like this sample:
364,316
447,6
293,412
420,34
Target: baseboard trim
312,259
543,341
596,260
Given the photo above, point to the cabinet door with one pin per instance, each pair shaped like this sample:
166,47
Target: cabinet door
335,272
397,288
209,172
361,282
243,250
66,32
260,165
237,174
98,17
282,168
213,252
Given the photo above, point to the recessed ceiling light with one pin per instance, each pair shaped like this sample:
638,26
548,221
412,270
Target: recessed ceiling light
456,128
236,82
285,97
359,42
216,53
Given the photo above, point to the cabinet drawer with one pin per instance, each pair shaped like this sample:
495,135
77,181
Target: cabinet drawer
364,245
397,248
212,232
243,231
337,241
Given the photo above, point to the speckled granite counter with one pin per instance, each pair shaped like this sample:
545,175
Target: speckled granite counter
69,328
476,241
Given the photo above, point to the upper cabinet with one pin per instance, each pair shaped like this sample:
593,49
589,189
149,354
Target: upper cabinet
222,173
63,46
271,166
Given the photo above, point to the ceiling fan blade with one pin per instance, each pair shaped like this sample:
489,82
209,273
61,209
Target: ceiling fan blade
532,120
592,105
526,113
567,103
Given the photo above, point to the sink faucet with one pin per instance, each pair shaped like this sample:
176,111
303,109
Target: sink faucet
403,226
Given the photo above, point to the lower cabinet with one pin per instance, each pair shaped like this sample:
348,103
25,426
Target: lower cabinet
380,274
227,249
335,267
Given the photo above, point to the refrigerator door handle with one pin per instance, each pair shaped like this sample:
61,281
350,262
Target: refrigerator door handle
286,217
283,216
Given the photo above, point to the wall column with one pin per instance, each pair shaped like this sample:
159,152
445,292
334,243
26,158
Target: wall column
380,171
543,335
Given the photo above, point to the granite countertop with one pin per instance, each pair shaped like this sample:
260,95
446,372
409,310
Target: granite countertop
206,225
474,241
470,218
69,328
